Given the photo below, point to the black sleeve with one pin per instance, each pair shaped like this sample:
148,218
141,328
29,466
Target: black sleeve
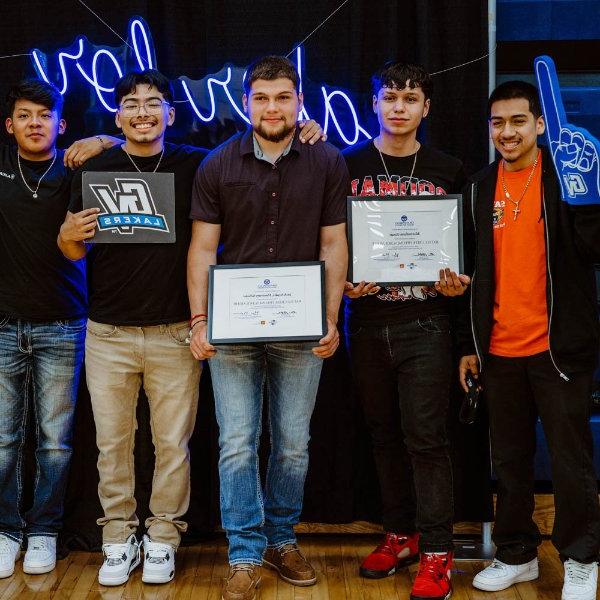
460,180
586,223
76,201
206,205
460,307
337,188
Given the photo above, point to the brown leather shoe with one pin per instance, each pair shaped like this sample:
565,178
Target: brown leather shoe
241,583
291,565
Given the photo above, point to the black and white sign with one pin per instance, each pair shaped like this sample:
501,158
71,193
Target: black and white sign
134,207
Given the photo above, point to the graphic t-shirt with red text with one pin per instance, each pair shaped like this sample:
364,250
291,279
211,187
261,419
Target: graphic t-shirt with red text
435,173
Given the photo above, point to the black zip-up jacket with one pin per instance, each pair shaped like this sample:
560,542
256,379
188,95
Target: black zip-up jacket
572,247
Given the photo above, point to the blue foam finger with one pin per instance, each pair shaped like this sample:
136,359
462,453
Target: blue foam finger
575,151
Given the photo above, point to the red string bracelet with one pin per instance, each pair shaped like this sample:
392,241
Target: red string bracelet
195,317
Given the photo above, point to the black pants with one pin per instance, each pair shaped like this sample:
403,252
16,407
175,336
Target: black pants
517,391
403,375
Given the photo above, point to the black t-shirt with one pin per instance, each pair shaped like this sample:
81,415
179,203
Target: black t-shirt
37,283
142,284
434,173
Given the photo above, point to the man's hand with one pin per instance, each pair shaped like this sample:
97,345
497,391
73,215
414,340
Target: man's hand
450,284
199,345
79,227
575,151
81,150
360,289
311,132
468,364
328,344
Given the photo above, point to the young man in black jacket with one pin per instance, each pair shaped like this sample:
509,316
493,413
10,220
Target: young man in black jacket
534,343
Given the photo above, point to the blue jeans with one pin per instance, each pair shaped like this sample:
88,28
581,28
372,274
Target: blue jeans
41,360
251,517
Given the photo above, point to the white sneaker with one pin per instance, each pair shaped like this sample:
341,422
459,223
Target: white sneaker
119,561
499,576
9,552
159,562
581,580
41,554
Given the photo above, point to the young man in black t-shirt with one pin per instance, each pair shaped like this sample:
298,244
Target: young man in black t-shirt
399,342
137,334
42,321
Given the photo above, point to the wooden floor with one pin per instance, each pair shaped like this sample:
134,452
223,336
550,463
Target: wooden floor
200,571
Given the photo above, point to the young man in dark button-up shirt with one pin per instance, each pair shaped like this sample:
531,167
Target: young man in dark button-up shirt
267,198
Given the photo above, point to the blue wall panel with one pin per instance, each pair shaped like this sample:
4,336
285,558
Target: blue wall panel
519,20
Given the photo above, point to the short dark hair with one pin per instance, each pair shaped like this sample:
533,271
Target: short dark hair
150,77
397,74
269,68
35,90
516,89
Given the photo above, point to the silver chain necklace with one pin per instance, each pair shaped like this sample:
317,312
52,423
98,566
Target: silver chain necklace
516,210
138,169
34,192
413,165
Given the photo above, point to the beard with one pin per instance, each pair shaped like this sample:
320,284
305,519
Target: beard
277,135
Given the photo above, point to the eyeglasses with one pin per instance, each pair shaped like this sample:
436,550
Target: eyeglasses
152,107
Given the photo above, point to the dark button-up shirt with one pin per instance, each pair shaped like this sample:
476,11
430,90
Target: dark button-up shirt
270,212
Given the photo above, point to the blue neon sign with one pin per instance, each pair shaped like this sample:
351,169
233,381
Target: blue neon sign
210,98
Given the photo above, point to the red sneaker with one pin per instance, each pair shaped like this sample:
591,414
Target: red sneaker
396,550
433,579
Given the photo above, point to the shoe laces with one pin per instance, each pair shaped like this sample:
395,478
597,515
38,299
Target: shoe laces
578,573
157,553
38,543
289,548
115,554
387,545
498,564
5,547
433,566
242,567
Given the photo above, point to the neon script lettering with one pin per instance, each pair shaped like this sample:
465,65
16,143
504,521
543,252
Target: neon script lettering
212,97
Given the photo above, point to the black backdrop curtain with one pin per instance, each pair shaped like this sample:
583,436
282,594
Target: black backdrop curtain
197,38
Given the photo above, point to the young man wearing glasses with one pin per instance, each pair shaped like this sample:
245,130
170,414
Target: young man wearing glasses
137,335
137,330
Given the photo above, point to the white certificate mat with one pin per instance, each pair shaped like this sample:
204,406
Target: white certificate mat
398,241
267,302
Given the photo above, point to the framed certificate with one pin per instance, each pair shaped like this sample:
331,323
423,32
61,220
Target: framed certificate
273,302
404,241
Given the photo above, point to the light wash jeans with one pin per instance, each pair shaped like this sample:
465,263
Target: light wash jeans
251,517
43,359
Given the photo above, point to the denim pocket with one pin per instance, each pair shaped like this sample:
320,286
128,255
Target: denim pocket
179,332
72,325
101,330
435,324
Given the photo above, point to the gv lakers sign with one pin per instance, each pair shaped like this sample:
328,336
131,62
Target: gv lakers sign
134,207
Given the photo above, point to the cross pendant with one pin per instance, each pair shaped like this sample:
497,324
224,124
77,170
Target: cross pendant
516,211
